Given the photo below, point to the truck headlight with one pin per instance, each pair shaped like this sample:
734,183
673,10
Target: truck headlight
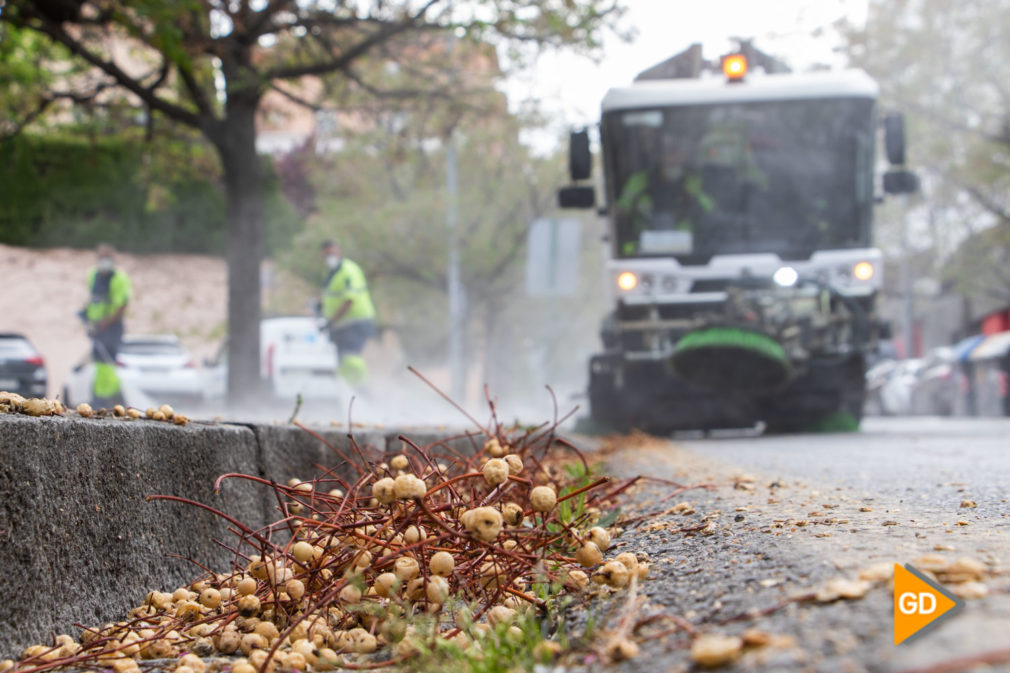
786,276
863,271
627,281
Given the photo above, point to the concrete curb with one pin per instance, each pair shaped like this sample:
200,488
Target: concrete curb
79,542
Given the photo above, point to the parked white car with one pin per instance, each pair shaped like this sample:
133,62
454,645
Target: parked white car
296,358
876,378
938,384
153,370
896,393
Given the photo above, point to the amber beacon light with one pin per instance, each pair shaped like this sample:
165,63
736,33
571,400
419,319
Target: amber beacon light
734,66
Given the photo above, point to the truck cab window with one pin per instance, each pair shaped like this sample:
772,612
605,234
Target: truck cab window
701,180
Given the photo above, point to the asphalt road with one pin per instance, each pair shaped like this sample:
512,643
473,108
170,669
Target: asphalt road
934,461
786,515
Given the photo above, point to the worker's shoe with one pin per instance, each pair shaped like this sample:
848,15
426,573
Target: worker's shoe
107,402
354,370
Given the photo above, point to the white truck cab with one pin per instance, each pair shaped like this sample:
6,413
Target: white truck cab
742,268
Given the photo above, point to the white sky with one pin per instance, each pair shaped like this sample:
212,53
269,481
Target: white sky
569,88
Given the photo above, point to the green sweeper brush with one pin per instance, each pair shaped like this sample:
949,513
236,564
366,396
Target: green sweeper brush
731,358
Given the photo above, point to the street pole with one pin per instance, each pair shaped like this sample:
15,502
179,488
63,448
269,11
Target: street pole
906,284
454,280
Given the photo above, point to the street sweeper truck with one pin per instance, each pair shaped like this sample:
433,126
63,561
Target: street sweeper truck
739,198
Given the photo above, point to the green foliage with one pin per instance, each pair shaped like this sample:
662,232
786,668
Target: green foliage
573,509
988,250
21,56
24,77
173,60
945,65
283,223
499,651
163,196
73,191
384,199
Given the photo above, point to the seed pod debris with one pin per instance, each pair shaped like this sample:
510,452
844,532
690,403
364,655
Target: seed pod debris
362,544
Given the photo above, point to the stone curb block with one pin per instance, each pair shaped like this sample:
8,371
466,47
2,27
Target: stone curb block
80,543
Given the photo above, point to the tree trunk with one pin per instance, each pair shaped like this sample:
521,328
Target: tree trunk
490,368
236,143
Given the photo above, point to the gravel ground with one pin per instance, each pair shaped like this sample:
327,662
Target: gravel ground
771,540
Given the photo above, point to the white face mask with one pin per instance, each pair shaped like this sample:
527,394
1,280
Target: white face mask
106,264
332,262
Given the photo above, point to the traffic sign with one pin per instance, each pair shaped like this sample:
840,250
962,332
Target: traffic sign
552,257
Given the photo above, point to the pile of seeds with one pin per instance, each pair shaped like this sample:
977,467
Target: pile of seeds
463,542
13,403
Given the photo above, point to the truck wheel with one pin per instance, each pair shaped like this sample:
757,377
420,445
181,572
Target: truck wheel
847,416
850,412
786,427
605,406
838,411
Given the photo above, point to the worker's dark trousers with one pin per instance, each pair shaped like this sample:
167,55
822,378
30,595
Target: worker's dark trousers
106,389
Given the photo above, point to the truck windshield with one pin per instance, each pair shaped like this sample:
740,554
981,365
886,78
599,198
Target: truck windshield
785,177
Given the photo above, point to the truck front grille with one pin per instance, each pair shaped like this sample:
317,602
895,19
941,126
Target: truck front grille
666,311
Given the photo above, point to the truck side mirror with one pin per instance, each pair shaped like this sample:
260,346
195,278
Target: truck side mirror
577,197
580,160
894,138
900,181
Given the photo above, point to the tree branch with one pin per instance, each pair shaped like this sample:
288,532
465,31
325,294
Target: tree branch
396,94
269,11
394,267
341,62
48,100
505,260
176,112
949,124
196,93
294,98
18,126
987,202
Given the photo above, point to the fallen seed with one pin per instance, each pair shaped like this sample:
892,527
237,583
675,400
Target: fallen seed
714,650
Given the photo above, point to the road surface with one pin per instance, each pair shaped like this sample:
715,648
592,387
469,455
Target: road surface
925,457
789,514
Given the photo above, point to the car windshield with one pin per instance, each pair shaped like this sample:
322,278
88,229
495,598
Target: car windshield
15,347
151,348
785,177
